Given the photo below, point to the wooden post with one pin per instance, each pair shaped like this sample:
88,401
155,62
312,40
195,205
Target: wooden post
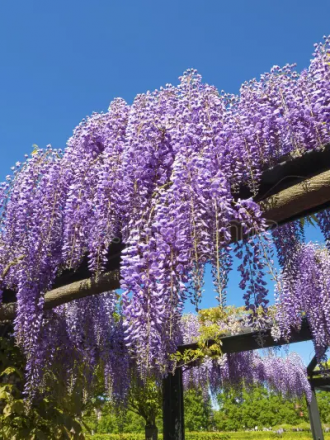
314,417
173,414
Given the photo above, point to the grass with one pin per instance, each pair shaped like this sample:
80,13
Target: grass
270,435
217,436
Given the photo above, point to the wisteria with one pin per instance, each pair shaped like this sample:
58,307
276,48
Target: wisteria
92,332
308,296
284,375
163,177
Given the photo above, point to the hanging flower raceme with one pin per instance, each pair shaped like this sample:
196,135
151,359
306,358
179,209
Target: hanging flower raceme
288,239
323,218
32,235
93,161
91,331
308,297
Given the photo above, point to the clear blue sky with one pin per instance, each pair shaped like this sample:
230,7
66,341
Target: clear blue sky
62,60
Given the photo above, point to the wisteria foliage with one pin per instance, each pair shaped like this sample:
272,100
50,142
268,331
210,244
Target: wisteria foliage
163,176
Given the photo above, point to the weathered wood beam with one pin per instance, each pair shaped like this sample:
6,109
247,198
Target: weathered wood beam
318,382
79,289
251,340
322,373
298,200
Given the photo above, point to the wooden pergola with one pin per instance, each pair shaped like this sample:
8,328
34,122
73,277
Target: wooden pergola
173,409
292,189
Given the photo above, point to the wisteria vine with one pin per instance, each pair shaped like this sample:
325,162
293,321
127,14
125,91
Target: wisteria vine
163,176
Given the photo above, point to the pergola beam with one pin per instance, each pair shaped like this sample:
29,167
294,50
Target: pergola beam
309,195
64,294
299,200
319,382
253,340
247,340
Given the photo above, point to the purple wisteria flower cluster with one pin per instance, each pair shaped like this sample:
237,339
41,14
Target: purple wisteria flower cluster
284,375
163,176
305,292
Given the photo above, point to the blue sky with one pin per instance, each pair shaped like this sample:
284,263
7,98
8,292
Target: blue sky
62,60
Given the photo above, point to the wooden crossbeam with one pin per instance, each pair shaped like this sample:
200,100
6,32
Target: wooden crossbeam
79,289
253,340
325,372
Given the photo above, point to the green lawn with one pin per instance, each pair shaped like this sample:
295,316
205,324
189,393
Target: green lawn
270,435
217,436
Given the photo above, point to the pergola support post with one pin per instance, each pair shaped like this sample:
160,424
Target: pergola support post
314,417
173,415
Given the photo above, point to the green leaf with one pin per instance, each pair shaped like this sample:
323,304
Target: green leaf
35,149
11,370
8,388
16,407
4,395
7,411
40,435
312,220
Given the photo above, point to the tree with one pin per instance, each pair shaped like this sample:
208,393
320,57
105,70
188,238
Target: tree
198,411
323,400
257,407
47,416
139,413
145,400
108,420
